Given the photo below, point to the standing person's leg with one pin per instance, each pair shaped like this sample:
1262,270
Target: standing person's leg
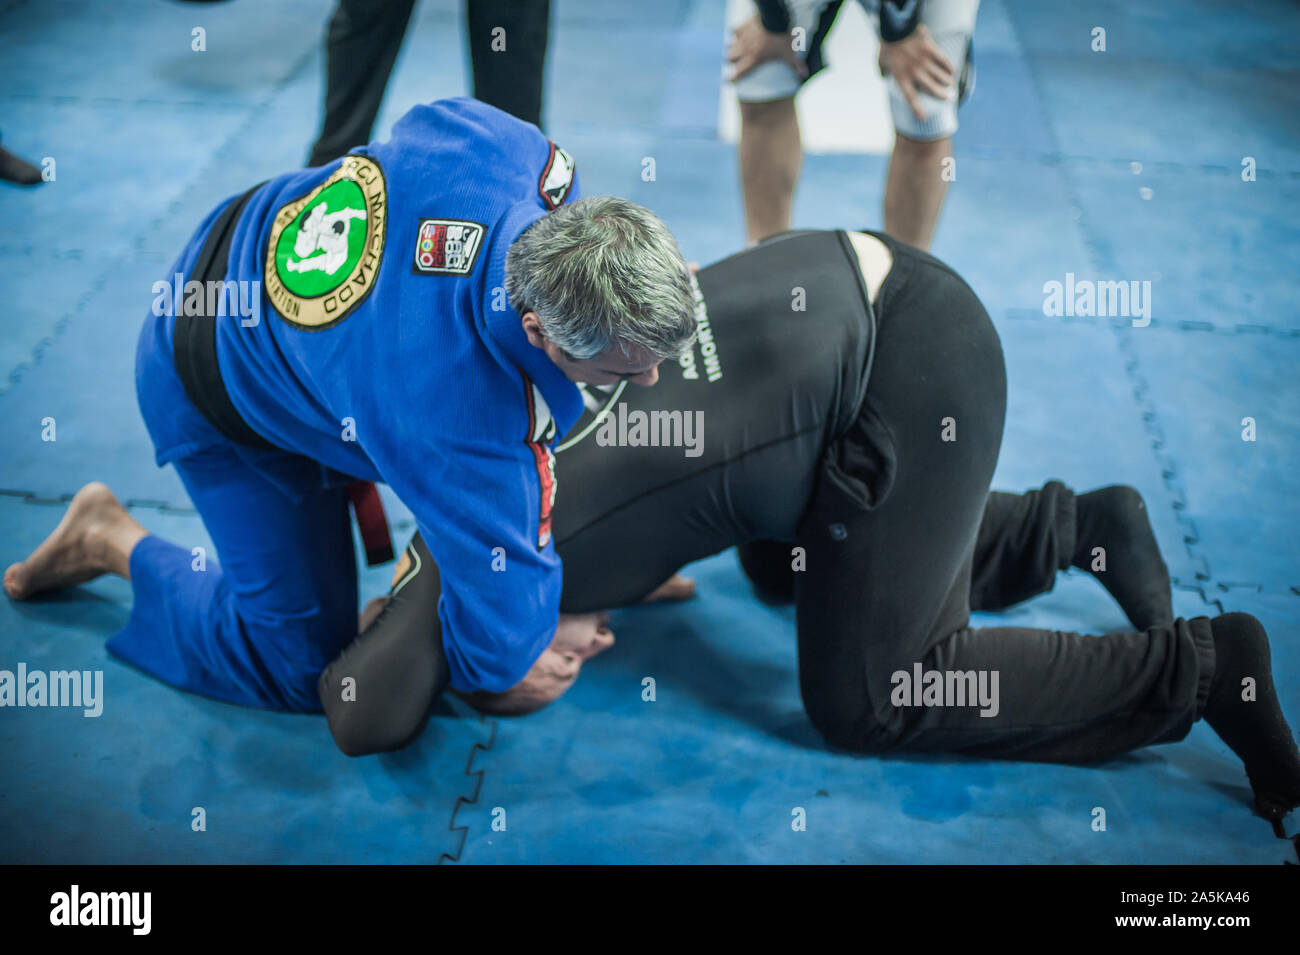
771,154
770,150
509,66
915,186
361,45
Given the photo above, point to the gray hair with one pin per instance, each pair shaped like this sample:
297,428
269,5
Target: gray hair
603,271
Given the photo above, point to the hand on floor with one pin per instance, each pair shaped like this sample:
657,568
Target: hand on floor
578,638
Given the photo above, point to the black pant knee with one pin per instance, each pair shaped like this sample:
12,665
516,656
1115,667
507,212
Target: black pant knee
767,564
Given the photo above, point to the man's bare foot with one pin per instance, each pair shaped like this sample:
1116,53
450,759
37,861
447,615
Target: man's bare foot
674,588
95,537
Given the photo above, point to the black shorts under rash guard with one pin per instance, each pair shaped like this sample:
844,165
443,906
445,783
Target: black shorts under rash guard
725,448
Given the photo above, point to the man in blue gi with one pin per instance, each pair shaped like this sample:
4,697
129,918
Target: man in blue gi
416,313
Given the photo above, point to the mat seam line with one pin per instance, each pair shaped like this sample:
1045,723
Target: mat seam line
1239,329
1169,473
477,775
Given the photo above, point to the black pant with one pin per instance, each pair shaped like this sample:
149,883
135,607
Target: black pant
890,540
361,46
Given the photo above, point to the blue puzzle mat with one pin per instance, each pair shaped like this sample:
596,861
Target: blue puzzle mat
1243,496
716,766
1123,165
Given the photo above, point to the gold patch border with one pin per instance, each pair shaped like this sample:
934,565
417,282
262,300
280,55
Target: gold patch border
271,278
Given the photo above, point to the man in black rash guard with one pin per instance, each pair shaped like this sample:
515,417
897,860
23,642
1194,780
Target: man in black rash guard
840,419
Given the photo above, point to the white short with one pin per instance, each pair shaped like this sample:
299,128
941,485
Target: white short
952,25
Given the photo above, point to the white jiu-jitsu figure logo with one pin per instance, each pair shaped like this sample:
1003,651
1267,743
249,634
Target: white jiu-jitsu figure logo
321,231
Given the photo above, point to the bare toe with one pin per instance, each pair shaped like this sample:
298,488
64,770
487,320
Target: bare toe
69,555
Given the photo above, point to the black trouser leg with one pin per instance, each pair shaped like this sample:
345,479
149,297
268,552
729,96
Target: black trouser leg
769,567
509,79
1023,541
377,693
888,588
361,45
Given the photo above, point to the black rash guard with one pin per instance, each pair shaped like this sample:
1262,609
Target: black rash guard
738,426
780,370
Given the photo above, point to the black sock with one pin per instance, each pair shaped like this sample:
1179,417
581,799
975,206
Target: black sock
1115,519
1254,729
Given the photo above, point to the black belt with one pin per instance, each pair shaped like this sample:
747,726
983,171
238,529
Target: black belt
194,340
194,352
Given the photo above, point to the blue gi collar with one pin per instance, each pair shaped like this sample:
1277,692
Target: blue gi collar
507,330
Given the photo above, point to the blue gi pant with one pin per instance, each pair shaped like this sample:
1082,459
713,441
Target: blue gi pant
258,628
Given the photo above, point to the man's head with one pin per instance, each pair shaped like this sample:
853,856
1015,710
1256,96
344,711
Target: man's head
603,290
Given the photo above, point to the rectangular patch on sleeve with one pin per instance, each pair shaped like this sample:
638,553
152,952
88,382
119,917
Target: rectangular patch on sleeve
447,246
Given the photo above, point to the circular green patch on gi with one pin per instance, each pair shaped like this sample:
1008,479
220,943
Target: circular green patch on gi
325,248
